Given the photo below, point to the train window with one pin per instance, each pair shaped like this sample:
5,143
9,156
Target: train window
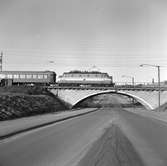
29,76
9,76
16,76
45,76
34,76
2,75
40,76
22,76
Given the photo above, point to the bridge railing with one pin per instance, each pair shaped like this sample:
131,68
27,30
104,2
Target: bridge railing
115,88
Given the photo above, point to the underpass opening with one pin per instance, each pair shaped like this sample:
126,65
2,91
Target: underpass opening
111,99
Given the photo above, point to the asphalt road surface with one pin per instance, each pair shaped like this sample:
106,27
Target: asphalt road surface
65,143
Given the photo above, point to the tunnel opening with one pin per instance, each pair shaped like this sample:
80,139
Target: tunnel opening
108,100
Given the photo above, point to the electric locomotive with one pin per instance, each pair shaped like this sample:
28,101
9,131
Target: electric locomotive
85,78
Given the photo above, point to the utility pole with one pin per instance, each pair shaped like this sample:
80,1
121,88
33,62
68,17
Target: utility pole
159,88
132,78
1,60
133,81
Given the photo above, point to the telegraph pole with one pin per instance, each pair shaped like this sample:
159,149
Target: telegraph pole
159,88
133,79
1,60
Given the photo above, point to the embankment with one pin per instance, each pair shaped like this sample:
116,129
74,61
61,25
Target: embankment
16,102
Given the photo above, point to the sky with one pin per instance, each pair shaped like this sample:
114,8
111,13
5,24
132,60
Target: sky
114,35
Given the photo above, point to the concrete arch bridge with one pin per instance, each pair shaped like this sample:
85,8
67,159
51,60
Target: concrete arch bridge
147,97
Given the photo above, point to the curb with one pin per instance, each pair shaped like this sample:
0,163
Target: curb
150,115
45,124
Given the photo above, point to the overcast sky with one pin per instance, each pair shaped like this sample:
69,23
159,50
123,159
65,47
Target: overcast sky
115,35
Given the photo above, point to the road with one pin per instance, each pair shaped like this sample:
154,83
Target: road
65,143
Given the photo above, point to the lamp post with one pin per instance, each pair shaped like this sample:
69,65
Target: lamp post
159,88
133,79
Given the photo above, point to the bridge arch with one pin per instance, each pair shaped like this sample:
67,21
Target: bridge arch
139,99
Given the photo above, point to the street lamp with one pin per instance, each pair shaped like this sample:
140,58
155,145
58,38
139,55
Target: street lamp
133,79
159,90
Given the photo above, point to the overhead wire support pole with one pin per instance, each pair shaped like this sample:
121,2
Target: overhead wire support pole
133,79
159,88
1,58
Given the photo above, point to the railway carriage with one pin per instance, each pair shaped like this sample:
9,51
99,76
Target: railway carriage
29,77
